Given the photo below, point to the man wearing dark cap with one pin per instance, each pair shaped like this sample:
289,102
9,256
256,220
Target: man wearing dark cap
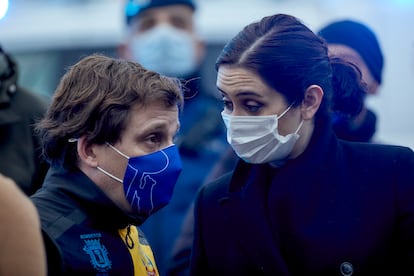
161,35
356,43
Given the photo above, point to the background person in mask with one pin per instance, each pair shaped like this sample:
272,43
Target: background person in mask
300,201
19,146
357,43
108,135
161,35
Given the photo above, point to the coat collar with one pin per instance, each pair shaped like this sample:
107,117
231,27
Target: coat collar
248,216
76,187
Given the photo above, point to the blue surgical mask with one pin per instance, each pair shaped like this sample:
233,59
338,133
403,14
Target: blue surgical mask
149,180
166,50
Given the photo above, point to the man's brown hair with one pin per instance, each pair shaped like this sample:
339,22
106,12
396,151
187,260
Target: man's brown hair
94,98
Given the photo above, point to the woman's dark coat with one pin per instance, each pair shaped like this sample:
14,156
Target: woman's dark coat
341,208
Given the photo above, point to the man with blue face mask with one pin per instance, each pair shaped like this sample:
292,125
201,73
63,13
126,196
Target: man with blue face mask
108,135
161,35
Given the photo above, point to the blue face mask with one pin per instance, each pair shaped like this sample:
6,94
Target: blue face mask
149,180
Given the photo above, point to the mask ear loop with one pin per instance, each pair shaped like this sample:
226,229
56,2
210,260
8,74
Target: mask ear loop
107,173
284,112
299,127
118,151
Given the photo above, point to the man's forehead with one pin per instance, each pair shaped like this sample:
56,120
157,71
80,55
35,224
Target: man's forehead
178,10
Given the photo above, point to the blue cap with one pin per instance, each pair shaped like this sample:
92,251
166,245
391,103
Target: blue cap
360,38
135,7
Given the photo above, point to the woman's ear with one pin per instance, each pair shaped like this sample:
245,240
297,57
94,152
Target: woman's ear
86,152
311,101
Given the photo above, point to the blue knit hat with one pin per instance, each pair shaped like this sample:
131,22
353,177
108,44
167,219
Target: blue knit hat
360,38
135,7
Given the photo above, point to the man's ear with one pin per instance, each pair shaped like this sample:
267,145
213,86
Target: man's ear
311,101
86,152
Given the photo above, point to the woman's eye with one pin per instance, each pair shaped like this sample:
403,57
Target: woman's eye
228,105
252,106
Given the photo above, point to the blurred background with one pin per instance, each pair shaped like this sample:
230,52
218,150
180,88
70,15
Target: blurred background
46,36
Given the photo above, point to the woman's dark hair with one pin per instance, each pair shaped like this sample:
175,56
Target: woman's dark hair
289,57
346,79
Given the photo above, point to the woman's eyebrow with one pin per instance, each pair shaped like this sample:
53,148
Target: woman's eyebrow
248,93
243,93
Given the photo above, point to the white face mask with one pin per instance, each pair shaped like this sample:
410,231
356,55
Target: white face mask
166,50
256,139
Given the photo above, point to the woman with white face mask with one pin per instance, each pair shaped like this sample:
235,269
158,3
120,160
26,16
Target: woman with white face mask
300,201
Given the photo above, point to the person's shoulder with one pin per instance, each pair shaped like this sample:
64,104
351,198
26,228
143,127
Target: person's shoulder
45,206
33,103
54,209
376,147
376,152
12,197
17,209
217,187
20,234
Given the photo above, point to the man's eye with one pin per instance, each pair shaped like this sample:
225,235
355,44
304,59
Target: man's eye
180,23
155,138
145,25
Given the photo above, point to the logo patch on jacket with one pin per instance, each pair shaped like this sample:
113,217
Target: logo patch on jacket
97,252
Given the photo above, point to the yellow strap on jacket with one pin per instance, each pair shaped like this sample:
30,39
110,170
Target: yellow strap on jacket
141,253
